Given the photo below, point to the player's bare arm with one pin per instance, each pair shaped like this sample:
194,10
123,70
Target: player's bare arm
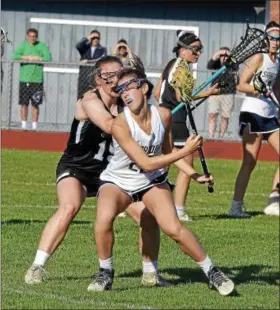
95,111
247,74
121,133
157,89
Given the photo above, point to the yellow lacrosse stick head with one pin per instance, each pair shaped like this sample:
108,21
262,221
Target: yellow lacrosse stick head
183,81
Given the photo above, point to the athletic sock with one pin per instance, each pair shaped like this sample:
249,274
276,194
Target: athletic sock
41,258
180,210
106,263
34,125
149,267
23,124
205,265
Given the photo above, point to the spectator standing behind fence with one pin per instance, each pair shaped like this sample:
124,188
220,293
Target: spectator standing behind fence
90,51
222,103
31,86
128,59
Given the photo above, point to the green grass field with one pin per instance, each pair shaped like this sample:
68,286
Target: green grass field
246,250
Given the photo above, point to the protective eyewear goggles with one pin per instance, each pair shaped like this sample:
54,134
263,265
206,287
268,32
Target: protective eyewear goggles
131,84
108,76
273,38
195,49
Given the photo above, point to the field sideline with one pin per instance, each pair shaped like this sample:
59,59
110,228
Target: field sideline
246,250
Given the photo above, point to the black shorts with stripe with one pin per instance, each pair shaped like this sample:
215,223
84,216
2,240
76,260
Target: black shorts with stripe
90,178
257,124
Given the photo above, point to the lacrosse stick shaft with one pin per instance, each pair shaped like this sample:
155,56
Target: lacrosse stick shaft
274,100
201,87
200,151
199,103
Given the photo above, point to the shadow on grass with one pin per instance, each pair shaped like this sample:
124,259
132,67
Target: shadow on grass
30,222
226,216
239,275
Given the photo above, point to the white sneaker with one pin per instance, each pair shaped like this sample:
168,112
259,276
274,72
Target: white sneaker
220,281
238,210
183,217
35,274
272,207
153,279
23,125
122,214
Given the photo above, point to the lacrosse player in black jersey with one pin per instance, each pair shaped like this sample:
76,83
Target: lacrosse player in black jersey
188,49
86,156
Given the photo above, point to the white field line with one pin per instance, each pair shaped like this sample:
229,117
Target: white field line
4,182
41,206
77,301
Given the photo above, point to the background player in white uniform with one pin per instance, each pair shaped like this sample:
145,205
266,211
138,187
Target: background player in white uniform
188,48
86,156
258,120
137,171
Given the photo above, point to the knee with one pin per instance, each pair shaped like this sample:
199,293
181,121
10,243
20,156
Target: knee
68,211
174,231
104,222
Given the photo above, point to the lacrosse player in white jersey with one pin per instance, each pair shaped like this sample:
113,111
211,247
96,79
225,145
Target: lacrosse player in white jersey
258,120
142,139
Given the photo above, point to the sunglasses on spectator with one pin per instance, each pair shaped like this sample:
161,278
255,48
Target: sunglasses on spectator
224,55
95,38
195,49
131,84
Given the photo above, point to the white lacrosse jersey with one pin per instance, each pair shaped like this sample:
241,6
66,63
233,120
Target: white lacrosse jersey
263,106
121,170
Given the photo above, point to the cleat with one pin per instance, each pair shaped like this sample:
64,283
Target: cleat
221,282
153,279
102,281
272,207
238,210
35,274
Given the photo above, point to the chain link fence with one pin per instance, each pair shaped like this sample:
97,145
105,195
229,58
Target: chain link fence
63,83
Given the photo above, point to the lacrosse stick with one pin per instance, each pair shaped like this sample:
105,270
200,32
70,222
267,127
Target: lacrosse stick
183,82
4,36
255,41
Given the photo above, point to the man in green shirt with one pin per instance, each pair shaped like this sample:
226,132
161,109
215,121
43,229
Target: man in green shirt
31,75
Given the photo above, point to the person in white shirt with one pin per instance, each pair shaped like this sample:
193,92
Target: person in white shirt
143,149
258,120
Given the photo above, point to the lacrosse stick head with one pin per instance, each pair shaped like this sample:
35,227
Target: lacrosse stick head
253,42
183,81
4,36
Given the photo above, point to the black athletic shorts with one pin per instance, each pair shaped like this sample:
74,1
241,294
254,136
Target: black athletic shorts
257,124
137,195
89,178
31,92
180,132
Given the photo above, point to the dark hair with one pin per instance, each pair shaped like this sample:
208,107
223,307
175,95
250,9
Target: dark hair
140,75
102,61
122,41
186,38
272,24
106,60
96,31
225,48
32,30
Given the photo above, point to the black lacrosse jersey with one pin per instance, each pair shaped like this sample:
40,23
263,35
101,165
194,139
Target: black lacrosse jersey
88,148
168,96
